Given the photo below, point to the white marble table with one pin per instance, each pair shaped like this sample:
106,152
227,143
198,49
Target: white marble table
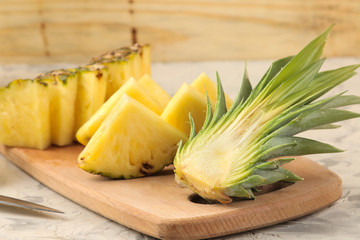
340,221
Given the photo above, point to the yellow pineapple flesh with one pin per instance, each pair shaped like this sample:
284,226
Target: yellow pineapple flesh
62,87
24,114
131,88
156,91
132,141
186,100
90,93
203,82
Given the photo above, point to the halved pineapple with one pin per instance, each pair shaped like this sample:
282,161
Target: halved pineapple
90,93
156,91
24,114
131,88
203,82
186,100
124,63
132,142
62,87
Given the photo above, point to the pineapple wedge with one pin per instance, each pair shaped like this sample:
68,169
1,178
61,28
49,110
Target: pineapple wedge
62,87
90,93
24,114
123,64
203,82
131,88
156,91
186,100
131,142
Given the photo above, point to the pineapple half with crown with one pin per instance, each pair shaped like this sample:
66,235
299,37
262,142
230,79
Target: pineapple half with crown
62,87
238,150
24,114
131,88
131,142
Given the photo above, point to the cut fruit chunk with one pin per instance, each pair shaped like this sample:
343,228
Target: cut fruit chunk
90,93
24,114
131,88
124,63
186,100
62,87
156,91
202,82
131,142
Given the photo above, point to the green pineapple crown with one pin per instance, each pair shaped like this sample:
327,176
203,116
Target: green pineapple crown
242,148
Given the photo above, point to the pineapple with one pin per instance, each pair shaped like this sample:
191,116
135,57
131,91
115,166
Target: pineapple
131,142
62,87
156,91
238,150
204,84
131,88
123,64
186,100
146,60
24,114
92,80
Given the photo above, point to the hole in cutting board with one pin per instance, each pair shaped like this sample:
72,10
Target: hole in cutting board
195,198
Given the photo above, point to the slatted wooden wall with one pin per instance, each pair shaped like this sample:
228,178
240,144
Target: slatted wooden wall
41,31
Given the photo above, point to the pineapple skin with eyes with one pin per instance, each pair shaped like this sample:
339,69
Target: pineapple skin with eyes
24,114
132,142
131,88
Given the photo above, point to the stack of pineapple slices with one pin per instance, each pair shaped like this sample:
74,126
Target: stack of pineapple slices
49,109
136,132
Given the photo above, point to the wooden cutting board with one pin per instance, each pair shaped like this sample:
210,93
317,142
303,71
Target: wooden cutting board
157,207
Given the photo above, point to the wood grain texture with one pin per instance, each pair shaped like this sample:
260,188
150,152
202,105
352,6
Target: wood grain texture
155,206
40,31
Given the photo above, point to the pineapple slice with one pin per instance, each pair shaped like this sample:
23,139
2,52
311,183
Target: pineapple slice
91,92
124,63
156,91
62,90
24,114
203,82
131,88
131,142
186,100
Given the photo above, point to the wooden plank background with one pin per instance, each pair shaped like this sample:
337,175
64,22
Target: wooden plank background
43,31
